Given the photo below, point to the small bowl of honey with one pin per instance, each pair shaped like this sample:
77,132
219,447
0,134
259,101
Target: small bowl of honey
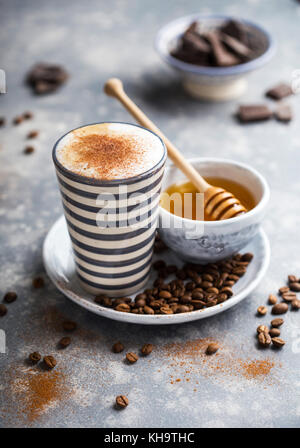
185,228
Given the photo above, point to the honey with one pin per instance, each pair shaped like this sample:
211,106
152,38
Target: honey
183,200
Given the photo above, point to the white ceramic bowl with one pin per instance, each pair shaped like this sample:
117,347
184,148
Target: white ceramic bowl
212,83
205,242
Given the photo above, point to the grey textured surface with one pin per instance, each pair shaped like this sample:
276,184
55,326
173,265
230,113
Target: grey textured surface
95,40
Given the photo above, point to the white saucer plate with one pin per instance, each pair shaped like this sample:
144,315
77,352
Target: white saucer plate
60,267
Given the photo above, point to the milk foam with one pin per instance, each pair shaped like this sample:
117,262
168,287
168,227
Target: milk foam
109,151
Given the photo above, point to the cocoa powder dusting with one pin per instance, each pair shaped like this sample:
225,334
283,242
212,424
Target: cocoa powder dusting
188,360
34,391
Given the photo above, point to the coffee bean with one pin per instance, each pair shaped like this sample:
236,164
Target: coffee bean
2,121
212,348
182,309
10,297
166,310
295,286
32,134
283,290
122,401
165,294
118,347
264,339
34,357
69,325
240,271
27,115
277,322
181,274
28,150
147,349
3,310
295,304
262,310
148,310
50,361
274,332
280,308
262,329
247,257
64,342
293,279
272,299
131,357
17,120
289,296
278,342
123,307
38,282
226,290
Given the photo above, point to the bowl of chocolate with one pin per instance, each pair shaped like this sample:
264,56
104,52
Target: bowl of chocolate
213,54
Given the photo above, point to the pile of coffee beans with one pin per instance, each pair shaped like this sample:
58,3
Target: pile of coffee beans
267,336
194,287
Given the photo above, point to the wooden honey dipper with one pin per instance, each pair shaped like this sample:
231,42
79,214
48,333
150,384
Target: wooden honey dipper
219,204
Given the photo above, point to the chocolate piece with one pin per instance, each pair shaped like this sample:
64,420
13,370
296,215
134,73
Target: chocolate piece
236,30
257,112
283,113
46,78
221,56
236,46
280,91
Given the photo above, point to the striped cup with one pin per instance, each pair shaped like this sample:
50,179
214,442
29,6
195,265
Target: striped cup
112,226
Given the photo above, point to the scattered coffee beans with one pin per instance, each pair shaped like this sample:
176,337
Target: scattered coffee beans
262,310
278,342
118,347
295,304
262,329
64,342
35,357
277,322
274,332
69,325
10,297
212,348
283,290
32,134
28,150
295,286
17,120
3,310
122,401
27,115
50,361
264,339
280,308
272,299
147,349
131,357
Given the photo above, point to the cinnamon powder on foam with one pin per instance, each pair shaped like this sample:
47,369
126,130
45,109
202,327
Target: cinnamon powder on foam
188,360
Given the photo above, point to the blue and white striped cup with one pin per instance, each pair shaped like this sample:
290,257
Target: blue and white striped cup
112,226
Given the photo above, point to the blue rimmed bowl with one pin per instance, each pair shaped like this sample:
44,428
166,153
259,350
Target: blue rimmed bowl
212,83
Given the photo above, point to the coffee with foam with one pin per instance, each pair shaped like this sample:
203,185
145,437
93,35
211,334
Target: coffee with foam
108,151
